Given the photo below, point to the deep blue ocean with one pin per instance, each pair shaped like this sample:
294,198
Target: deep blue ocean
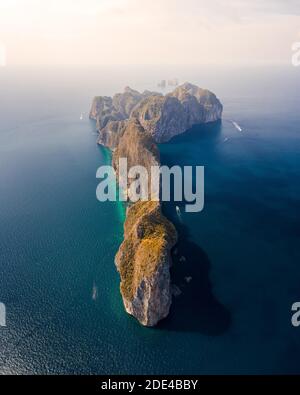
57,242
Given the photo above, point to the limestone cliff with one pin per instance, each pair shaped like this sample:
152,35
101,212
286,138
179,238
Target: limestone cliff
118,108
144,260
137,146
206,108
111,133
162,116
173,114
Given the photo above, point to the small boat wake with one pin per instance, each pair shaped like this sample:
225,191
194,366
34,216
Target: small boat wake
237,126
178,212
95,292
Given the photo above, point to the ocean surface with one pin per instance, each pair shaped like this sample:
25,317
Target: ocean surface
57,242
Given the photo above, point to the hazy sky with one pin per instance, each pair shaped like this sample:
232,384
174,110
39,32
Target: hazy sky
85,32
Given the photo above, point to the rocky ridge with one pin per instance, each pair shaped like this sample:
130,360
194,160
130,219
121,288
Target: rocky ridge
131,123
162,116
144,258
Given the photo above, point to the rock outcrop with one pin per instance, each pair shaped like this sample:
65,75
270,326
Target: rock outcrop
118,108
144,260
110,135
162,116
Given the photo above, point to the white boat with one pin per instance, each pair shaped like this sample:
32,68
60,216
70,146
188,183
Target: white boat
81,116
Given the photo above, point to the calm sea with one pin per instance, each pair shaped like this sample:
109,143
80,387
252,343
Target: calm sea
57,242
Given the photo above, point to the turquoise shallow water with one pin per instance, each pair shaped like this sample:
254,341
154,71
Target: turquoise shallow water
57,241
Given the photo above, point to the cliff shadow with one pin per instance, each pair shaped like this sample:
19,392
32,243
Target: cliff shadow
194,307
198,132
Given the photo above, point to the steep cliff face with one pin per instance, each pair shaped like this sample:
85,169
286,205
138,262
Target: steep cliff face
162,116
209,108
100,106
118,108
111,133
143,262
178,111
143,259
137,146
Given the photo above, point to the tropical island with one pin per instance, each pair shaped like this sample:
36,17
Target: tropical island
131,124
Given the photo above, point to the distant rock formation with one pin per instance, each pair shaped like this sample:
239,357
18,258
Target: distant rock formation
173,82
162,116
162,84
